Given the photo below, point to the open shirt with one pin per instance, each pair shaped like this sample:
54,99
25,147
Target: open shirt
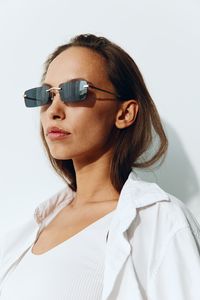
152,249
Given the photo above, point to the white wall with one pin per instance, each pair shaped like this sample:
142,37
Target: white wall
164,39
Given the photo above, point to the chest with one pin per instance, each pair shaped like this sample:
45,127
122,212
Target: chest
65,226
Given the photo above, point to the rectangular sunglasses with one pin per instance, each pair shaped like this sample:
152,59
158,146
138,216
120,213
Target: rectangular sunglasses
71,91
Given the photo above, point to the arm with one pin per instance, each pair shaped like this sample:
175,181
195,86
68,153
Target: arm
178,275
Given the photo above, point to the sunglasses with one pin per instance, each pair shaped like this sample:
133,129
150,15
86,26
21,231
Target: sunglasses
71,91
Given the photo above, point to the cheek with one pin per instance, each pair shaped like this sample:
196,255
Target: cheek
90,128
94,126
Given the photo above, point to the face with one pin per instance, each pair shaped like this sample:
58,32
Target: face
88,123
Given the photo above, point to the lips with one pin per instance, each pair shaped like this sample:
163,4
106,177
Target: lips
57,134
56,130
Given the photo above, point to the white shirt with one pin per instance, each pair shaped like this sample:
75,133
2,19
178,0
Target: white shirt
71,270
152,251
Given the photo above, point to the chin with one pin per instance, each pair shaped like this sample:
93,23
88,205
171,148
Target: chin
60,156
59,152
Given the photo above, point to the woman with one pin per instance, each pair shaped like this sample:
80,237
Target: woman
107,235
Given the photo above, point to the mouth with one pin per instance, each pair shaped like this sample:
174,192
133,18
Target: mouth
57,135
55,129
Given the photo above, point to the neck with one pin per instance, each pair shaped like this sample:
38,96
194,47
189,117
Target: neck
94,183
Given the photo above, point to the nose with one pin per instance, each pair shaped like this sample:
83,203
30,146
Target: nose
57,108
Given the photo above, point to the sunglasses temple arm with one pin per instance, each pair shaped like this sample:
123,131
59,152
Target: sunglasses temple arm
96,88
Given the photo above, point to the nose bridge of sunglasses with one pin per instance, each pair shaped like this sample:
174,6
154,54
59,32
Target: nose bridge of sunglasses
53,90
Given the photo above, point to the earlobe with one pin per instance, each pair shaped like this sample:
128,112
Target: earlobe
127,114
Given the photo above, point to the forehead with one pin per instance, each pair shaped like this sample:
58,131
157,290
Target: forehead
77,62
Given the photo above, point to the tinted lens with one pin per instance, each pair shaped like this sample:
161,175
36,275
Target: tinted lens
37,96
73,91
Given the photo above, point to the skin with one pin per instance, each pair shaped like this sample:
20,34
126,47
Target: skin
90,124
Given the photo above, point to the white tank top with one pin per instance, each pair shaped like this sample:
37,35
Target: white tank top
73,270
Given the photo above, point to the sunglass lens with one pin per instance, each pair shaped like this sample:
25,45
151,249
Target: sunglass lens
36,97
73,91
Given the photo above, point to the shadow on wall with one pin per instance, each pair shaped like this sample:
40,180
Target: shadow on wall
176,175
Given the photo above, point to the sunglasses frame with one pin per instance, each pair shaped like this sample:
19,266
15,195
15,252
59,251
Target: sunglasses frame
86,85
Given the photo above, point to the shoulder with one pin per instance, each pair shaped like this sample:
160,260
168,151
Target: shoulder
164,231
18,238
156,206
163,219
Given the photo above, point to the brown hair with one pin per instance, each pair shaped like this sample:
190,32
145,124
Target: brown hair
131,144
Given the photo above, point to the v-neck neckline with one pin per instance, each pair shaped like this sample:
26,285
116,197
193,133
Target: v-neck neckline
73,237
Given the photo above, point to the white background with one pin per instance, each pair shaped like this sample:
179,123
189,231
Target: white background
164,39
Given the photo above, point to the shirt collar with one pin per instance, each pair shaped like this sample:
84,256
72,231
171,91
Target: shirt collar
139,193
45,208
134,195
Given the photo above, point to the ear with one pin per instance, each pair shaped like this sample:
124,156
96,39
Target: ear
126,114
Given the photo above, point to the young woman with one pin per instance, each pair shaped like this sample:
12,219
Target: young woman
108,235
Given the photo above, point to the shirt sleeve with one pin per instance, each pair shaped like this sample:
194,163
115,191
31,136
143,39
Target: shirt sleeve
178,275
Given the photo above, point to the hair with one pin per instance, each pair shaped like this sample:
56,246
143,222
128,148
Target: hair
132,144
